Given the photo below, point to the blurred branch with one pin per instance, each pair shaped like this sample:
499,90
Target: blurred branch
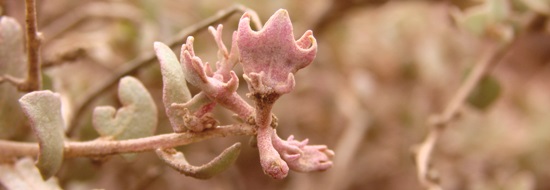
98,148
147,58
89,10
337,10
352,107
2,5
439,123
66,57
34,78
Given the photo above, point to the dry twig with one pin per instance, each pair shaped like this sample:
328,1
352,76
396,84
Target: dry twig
439,122
34,78
65,57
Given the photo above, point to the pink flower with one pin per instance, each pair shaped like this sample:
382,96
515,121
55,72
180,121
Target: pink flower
271,56
302,157
219,86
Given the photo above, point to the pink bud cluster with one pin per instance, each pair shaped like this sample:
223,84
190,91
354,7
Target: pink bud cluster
270,57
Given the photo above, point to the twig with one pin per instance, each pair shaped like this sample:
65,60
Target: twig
337,10
424,150
2,4
122,11
440,122
34,78
65,57
98,148
145,59
352,107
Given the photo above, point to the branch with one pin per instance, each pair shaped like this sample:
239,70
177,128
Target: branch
337,10
145,59
70,56
113,10
439,122
98,148
34,78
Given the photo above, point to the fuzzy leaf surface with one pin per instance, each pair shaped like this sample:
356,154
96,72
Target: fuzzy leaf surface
43,108
174,88
12,62
219,164
135,119
24,175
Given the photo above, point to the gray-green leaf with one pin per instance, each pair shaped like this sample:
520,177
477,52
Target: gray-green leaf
219,164
12,62
135,119
24,175
485,94
43,108
174,87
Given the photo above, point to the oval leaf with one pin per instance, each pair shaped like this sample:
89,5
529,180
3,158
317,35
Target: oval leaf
12,62
485,94
43,108
135,119
219,164
174,88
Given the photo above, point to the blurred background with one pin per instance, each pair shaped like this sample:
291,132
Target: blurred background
383,68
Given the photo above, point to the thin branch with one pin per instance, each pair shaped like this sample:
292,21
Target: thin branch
440,122
353,109
145,59
337,10
114,10
98,148
65,57
34,78
2,5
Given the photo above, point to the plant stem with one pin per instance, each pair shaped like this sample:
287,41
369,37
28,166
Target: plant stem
144,60
98,148
424,150
34,77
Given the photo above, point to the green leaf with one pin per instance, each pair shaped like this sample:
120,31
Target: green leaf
12,62
24,175
498,10
219,164
487,16
475,21
135,119
174,87
541,6
43,108
485,94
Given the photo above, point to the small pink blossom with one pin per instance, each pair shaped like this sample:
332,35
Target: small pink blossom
271,56
219,86
302,157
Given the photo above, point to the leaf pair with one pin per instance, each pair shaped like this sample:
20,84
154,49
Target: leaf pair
137,118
